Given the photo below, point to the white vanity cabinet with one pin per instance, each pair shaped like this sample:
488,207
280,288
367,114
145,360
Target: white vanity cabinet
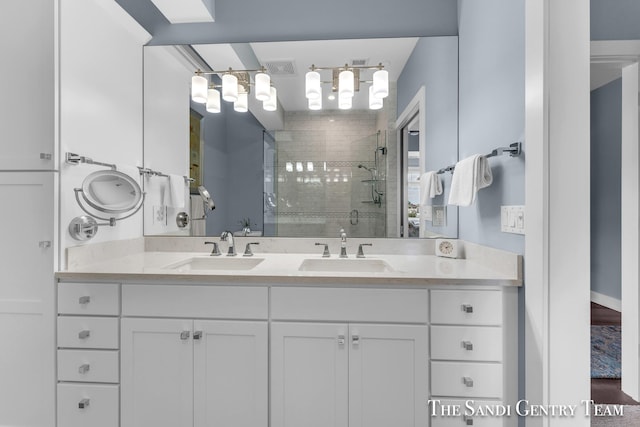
348,373
88,356
194,371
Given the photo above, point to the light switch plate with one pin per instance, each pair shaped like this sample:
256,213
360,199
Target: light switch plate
512,219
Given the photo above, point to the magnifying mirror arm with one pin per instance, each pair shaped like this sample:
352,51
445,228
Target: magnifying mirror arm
111,220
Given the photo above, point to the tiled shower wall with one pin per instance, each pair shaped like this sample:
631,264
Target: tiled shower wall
319,186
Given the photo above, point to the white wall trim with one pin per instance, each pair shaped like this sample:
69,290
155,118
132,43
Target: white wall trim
606,300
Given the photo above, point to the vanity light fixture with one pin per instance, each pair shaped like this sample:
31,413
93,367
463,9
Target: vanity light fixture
235,87
346,82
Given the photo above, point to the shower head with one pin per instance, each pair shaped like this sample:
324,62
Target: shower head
364,167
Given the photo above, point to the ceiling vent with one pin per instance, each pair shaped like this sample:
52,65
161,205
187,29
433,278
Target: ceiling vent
359,62
281,68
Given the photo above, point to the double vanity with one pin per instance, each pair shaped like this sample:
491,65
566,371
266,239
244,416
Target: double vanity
156,332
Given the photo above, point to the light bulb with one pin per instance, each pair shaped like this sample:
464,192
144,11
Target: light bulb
199,85
345,102
271,104
313,89
213,101
229,87
263,86
345,84
242,103
381,84
374,102
315,104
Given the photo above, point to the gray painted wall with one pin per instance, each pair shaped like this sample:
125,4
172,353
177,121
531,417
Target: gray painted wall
615,19
434,65
249,20
606,144
492,110
233,168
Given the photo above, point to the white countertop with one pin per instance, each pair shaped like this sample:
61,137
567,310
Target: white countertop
283,268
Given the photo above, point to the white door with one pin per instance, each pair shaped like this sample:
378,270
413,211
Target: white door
27,322
230,374
309,378
388,376
156,373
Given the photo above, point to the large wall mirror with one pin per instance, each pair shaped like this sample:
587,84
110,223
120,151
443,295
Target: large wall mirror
310,167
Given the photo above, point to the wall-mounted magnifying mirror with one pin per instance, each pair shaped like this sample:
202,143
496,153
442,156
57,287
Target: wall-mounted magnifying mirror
206,198
106,191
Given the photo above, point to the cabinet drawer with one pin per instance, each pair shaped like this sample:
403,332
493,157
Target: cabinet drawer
221,302
98,366
88,332
350,305
89,299
481,343
466,307
471,416
466,379
82,405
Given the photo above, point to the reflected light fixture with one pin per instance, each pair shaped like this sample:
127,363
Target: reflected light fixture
235,87
346,82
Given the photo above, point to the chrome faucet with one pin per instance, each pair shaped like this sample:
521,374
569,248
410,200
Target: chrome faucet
228,236
343,243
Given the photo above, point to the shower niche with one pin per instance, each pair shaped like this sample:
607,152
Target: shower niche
315,185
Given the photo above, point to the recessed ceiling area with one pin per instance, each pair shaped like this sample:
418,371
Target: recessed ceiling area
291,61
186,11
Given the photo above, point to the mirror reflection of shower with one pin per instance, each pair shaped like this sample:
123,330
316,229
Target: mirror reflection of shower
376,190
207,200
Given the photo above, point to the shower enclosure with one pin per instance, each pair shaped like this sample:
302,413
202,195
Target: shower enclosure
315,188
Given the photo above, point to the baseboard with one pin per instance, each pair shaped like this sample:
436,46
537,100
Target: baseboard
607,301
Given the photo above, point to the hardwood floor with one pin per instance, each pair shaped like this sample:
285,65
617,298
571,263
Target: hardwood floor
607,390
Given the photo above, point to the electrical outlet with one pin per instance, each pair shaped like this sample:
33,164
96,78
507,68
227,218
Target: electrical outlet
426,212
160,215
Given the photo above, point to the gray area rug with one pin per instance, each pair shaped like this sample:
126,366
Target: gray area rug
631,418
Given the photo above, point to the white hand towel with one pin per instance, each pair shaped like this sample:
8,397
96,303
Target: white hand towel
430,187
469,176
177,189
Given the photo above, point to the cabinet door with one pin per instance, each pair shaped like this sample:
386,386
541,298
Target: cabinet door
230,374
27,322
156,373
388,376
309,379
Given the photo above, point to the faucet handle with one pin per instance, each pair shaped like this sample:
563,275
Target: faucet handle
325,253
360,251
247,249
216,249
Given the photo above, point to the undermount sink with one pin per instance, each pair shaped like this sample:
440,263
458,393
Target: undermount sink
215,263
346,265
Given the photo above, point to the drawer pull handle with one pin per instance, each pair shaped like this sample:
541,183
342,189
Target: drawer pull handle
197,335
84,300
355,339
340,339
467,345
83,335
83,369
467,420
184,335
83,404
467,381
467,308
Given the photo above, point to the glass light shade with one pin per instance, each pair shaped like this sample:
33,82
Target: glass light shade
313,89
213,101
345,102
242,103
229,87
271,104
374,102
345,84
315,104
199,86
381,84
263,86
